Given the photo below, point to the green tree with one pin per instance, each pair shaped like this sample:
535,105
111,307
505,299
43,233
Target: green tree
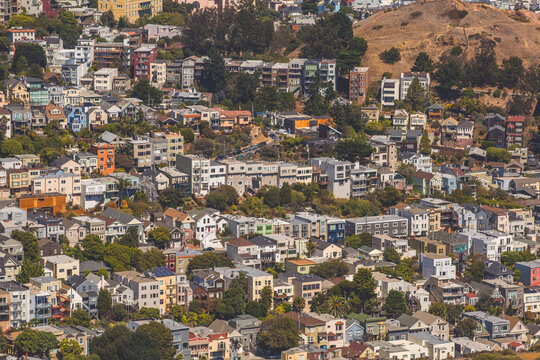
299,304
271,197
336,306
120,343
216,72
512,72
29,270
466,328
30,244
277,334
104,303
389,196
160,236
162,336
365,287
11,147
130,238
438,309
417,97
147,313
498,154
70,350
255,308
35,71
120,312
449,74
390,56
483,69
395,304
330,269
20,67
93,248
357,241
353,149
423,63
209,260
172,198
310,248
33,53
31,342
149,94
79,318
425,144
222,197
310,7
391,255
266,297
285,194
234,299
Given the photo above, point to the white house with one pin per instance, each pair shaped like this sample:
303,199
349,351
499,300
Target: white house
437,265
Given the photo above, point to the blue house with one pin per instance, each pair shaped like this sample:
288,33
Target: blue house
482,216
335,230
76,118
353,332
448,183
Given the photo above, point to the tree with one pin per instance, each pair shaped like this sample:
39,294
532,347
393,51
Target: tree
438,309
234,299
216,72
29,270
449,74
209,260
310,248
417,96
483,69
160,236
285,194
20,67
354,149
11,147
79,318
150,95
357,241
365,286
119,312
150,259
336,306
130,238
35,342
93,248
104,302
120,343
147,313
255,308
35,71
390,56
466,328
310,7
389,196
30,244
266,297
222,197
299,304
391,255
70,350
498,155
271,196
277,334
161,336
395,304
423,63
330,269
33,53
512,72
425,144
172,198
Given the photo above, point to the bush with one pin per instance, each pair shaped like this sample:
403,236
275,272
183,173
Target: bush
497,93
462,13
377,27
390,56
405,23
416,14
456,50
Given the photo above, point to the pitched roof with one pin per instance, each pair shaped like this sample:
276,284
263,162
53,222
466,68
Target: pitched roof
240,242
419,174
426,317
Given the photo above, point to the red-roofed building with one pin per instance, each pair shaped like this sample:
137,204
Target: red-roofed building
515,129
426,183
244,253
203,343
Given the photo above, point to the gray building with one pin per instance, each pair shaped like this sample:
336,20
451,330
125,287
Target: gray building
248,326
496,326
180,334
394,225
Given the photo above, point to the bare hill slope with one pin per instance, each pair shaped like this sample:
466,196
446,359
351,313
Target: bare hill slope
438,25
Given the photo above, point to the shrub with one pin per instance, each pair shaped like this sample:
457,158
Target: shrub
456,50
390,56
497,93
462,13
416,14
377,27
405,23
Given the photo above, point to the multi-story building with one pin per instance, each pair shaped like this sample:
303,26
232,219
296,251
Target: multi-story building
339,175
408,77
394,225
389,91
385,154
87,161
529,272
8,8
20,34
198,170
131,9
168,288
142,153
63,183
515,130
103,79
146,290
105,157
19,309
437,265
113,55
158,72
358,85
142,59
60,266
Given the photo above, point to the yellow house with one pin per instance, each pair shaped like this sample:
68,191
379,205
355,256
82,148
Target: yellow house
131,9
434,221
295,353
17,91
301,266
426,245
168,293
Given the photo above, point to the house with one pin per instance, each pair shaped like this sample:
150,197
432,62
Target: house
448,131
417,121
515,130
518,330
400,119
243,252
327,250
373,326
496,327
435,112
206,227
497,134
437,326
496,270
146,290
437,265
60,266
464,134
301,266
438,349
427,183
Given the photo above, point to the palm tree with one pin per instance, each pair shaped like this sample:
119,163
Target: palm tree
337,306
310,247
122,184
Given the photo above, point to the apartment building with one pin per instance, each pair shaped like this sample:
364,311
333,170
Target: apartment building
175,146
198,170
64,183
256,279
103,79
437,265
389,91
146,290
105,157
19,310
244,253
408,77
60,266
142,59
358,85
158,72
142,153
393,225
131,9
385,154
338,172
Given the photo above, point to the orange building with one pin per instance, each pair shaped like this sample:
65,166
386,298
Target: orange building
303,122
105,154
5,302
54,202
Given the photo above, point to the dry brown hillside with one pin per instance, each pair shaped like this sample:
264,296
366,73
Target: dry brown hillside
435,27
